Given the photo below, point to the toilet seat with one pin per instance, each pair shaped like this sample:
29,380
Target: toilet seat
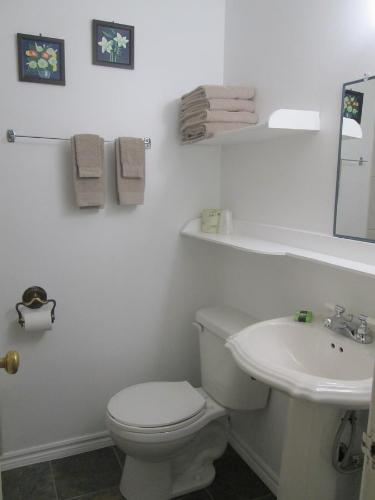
156,406
210,411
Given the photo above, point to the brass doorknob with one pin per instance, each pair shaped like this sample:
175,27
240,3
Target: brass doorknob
10,362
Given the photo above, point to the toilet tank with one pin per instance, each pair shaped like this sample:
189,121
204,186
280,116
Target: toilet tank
222,379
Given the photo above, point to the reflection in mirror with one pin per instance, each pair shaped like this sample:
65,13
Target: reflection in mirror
355,193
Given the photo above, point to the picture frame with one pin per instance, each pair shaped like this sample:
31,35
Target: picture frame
112,44
41,59
352,105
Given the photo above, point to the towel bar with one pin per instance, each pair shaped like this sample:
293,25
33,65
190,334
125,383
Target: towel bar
12,136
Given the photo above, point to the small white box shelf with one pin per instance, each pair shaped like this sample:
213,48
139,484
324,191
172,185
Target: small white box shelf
351,129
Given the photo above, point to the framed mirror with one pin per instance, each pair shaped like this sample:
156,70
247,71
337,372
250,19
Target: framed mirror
355,185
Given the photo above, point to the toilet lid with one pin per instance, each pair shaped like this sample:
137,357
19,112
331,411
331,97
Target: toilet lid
156,404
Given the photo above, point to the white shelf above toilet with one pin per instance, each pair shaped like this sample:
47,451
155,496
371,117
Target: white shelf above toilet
282,122
281,241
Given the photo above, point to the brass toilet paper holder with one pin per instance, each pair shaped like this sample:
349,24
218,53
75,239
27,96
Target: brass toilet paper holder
35,297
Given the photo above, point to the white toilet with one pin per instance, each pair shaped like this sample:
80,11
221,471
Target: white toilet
171,431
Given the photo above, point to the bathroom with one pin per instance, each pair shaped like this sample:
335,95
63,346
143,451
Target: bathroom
127,284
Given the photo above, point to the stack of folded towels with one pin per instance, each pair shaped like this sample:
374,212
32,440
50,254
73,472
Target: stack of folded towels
210,109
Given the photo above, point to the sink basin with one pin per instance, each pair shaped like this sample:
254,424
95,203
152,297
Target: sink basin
306,360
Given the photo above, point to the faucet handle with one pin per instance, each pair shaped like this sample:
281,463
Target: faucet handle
363,318
339,310
363,334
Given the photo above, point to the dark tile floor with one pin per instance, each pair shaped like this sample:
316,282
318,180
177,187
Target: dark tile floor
96,475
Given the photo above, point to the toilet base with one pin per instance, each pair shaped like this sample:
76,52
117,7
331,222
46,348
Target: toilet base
146,480
187,484
191,469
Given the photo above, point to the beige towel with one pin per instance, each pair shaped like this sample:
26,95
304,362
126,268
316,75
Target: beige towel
89,191
132,157
219,116
130,191
207,130
215,104
88,157
219,92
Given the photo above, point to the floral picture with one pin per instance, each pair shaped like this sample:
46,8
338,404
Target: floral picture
353,102
113,44
41,59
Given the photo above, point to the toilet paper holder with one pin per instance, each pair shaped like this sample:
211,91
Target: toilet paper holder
35,297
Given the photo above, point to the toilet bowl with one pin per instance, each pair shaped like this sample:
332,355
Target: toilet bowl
171,450
172,432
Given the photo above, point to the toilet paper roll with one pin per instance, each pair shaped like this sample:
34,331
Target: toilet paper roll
37,320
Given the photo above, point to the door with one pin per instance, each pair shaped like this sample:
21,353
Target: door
10,362
368,475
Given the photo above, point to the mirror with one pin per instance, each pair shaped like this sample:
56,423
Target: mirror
355,189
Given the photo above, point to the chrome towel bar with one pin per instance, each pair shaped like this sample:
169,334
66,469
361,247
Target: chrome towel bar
12,136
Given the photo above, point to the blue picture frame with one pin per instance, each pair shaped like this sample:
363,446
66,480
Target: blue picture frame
41,59
113,44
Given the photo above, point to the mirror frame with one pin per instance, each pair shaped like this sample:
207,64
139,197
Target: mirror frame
335,233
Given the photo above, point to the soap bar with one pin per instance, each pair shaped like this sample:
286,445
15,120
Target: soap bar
304,316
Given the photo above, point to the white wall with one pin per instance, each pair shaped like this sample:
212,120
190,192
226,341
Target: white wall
126,285
297,54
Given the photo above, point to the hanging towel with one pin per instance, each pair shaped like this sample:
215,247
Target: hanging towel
216,104
132,157
130,177
88,180
88,157
219,92
219,116
207,130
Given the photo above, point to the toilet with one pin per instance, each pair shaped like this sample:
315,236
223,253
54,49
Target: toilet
172,432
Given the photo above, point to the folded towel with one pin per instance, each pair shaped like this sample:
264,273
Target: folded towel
130,191
219,116
88,157
219,92
89,191
132,157
216,104
207,130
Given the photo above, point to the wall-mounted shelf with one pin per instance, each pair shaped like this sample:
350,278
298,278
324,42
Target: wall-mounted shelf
282,122
281,241
351,129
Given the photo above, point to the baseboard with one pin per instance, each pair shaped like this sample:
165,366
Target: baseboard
52,451
253,460
89,442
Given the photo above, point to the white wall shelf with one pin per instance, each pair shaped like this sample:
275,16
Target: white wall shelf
281,122
276,240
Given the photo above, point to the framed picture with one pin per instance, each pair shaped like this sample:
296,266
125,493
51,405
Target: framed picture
113,44
41,59
353,102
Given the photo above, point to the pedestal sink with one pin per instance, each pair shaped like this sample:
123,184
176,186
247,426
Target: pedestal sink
324,373
306,360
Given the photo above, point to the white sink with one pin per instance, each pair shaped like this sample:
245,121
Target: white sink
306,360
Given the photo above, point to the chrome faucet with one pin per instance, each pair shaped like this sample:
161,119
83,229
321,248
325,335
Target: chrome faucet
355,328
